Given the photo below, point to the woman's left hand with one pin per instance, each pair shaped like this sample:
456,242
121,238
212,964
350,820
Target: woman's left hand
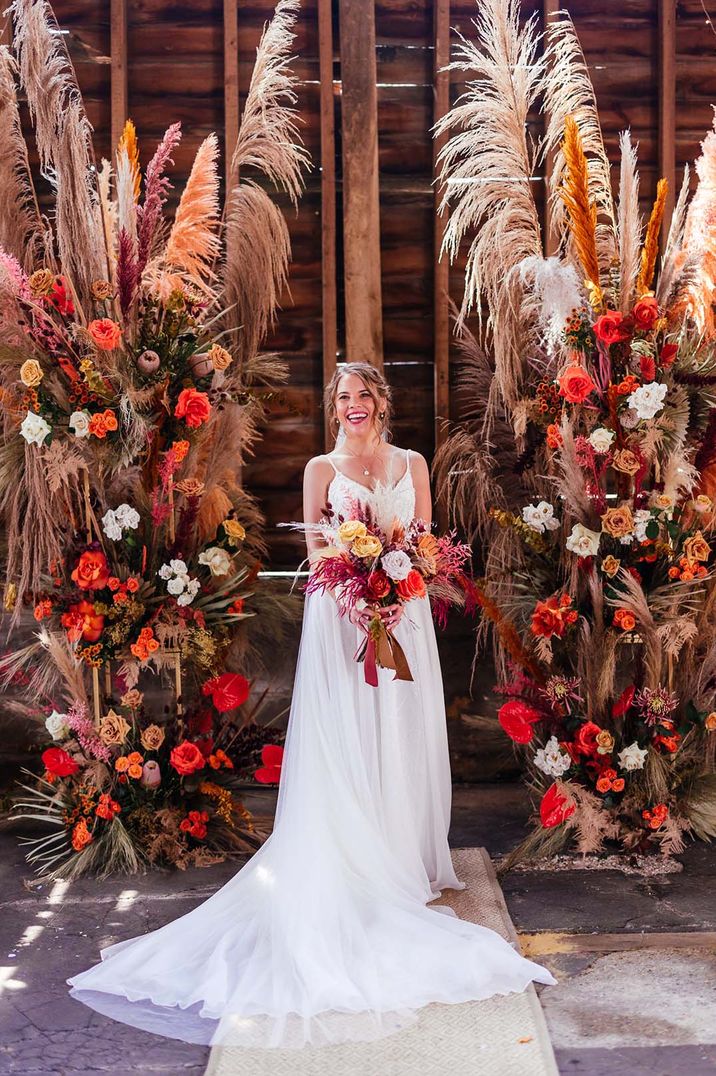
391,615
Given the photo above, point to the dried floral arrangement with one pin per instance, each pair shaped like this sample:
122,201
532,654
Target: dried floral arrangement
586,460
131,383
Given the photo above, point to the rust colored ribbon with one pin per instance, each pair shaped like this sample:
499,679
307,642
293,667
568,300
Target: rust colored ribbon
381,649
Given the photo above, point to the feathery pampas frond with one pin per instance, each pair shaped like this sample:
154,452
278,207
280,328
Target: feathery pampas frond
258,249
700,240
486,167
672,259
21,227
63,138
568,91
557,285
580,208
128,143
650,250
156,186
628,222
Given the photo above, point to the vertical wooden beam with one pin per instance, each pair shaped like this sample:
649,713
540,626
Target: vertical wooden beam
119,85
667,105
231,84
441,268
550,13
361,204
329,302
6,30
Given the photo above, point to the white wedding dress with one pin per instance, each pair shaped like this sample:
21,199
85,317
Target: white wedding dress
324,935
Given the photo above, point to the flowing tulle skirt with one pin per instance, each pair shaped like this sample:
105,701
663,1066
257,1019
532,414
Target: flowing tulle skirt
324,935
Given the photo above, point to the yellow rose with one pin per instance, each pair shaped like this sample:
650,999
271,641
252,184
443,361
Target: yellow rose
152,738
697,548
610,566
220,358
703,503
113,729
42,282
31,373
234,531
367,546
352,529
605,742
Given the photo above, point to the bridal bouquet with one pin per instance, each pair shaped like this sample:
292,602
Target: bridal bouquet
369,567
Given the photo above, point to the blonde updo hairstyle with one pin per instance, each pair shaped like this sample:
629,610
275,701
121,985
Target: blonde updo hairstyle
377,386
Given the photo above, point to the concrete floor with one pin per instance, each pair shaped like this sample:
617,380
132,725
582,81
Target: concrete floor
636,957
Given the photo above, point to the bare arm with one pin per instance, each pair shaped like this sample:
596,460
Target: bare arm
316,479
421,481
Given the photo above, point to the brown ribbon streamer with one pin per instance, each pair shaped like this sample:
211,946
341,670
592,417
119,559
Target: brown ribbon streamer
383,649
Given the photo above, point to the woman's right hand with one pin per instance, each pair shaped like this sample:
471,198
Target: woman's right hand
361,617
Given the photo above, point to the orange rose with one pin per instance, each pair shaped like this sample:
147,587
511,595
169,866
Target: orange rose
575,384
81,836
82,622
413,586
624,619
646,313
626,461
610,328
378,585
618,521
554,437
193,406
105,333
710,722
551,617
92,571
186,758
180,449
628,385
610,566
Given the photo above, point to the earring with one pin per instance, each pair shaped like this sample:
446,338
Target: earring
381,415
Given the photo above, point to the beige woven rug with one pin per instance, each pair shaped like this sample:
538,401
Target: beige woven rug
503,1036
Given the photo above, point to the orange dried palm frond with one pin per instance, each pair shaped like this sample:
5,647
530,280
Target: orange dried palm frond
128,143
651,240
581,209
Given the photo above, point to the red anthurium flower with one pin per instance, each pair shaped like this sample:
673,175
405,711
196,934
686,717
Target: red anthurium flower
624,701
227,691
555,807
517,719
272,758
57,762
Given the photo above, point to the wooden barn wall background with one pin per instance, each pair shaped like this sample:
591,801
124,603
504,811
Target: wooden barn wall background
653,63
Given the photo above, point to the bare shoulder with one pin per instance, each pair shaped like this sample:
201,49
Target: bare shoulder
318,469
418,463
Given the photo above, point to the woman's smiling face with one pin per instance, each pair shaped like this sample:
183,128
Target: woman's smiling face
355,405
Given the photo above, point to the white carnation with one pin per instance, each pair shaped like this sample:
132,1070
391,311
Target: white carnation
56,725
396,564
79,423
551,759
632,757
34,428
601,439
648,400
583,542
540,517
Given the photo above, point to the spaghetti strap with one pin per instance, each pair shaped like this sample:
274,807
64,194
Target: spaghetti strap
407,460
332,463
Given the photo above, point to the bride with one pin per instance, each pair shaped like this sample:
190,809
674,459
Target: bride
325,935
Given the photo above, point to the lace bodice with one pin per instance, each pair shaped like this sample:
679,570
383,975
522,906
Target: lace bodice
388,501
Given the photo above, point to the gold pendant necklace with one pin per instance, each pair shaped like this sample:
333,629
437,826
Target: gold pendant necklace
366,470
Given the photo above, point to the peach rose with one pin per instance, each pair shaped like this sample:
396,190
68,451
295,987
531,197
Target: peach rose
105,333
618,522
605,742
413,586
610,566
31,373
575,384
697,548
367,546
219,357
42,282
101,290
626,461
152,738
113,729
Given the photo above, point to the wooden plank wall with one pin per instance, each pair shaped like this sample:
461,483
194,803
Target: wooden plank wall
177,67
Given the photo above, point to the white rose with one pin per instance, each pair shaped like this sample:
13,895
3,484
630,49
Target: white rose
176,585
601,439
127,517
632,757
111,526
165,572
551,759
178,566
79,423
217,560
190,593
648,400
396,564
34,428
540,517
583,542
641,518
56,725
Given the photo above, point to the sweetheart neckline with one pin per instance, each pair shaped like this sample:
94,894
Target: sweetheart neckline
378,486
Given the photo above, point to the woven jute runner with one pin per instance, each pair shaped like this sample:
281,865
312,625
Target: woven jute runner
503,1036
